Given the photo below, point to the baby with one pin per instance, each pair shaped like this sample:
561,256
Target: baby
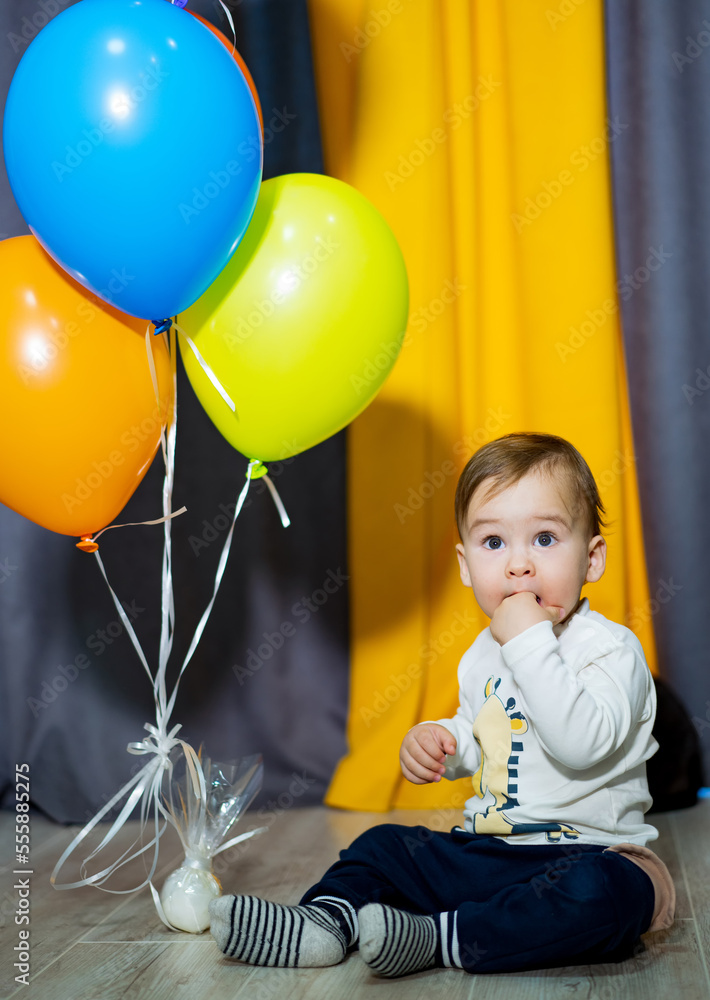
556,708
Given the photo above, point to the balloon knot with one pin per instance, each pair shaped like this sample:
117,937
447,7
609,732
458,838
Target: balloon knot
87,544
161,325
256,470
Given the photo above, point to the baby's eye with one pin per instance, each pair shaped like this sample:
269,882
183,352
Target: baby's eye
546,539
495,540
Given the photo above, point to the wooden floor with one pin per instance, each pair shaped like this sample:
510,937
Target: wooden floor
91,945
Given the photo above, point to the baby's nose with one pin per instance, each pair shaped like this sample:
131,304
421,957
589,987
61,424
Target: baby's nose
520,564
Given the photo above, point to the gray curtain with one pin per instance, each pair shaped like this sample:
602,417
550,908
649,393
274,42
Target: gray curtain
658,79
271,672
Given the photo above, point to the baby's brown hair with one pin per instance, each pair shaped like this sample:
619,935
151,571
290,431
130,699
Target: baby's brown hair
507,459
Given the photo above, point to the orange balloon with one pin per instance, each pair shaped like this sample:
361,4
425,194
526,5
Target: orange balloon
240,62
80,421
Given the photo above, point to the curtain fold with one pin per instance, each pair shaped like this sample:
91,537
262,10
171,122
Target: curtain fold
658,80
480,131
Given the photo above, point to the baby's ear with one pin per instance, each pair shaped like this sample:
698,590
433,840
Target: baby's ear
463,565
597,559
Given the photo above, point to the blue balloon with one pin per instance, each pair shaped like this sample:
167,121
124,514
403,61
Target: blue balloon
134,151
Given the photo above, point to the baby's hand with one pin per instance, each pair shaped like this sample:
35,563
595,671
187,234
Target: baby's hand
422,754
519,612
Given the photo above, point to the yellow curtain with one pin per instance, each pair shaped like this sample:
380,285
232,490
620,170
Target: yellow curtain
479,130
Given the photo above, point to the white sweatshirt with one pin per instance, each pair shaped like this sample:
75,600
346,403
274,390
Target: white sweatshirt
556,733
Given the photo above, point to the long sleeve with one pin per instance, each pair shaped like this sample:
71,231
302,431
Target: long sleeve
581,713
563,718
467,758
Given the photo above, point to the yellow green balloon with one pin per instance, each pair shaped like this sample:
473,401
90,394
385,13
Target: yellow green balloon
304,323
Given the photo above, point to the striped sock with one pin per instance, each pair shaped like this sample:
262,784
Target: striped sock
395,943
255,931
448,953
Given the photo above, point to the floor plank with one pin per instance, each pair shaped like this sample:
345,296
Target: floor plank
670,966
691,833
353,981
667,850
88,945
61,917
42,830
154,971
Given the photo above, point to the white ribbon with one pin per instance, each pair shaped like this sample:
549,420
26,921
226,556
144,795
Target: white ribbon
228,12
207,370
169,463
229,18
136,524
285,519
146,786
148,780
218,580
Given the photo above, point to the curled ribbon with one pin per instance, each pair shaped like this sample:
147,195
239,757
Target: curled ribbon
146,786
228,12
148,780
206,369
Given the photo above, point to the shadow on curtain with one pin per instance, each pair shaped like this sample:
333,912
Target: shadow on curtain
480,131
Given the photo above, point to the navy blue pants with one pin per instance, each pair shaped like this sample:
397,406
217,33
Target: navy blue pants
517,906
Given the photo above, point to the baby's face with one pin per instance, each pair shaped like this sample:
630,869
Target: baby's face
526,539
